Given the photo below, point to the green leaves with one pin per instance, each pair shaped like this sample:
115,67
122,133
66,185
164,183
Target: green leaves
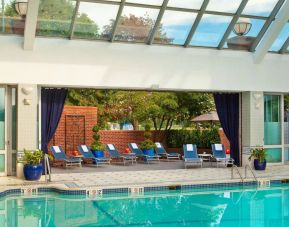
32,158
258,153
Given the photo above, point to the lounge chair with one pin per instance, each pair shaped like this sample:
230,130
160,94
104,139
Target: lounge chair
219,155
191,157
139,153
60,155
160,150
87,154
115,155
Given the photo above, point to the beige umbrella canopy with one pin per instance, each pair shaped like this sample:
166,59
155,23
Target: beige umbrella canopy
208,117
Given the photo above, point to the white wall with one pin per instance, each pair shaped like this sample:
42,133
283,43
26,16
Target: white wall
114,65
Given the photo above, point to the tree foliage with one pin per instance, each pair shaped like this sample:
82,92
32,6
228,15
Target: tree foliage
133,28
161,109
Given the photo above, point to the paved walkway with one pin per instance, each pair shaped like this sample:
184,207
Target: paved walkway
100,179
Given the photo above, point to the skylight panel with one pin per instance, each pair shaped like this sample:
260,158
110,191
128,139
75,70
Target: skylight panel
175,27
54,17
95,21
146,2
259,7
228,6
186,4
135,24
210,30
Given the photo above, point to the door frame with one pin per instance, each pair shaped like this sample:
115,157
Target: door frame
4,152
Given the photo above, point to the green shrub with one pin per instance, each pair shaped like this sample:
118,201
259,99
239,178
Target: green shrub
202,138
96,145
147,143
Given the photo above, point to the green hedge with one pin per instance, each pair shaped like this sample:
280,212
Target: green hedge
202,138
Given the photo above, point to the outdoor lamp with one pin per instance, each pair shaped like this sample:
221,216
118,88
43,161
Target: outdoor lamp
21,7
242,27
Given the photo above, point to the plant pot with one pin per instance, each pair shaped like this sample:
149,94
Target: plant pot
258,165
149,152
98,154
33,172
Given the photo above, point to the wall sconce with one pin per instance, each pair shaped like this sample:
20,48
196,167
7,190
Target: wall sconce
27,102
27,90
257,98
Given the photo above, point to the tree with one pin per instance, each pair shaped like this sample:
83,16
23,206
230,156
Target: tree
133,28
128,106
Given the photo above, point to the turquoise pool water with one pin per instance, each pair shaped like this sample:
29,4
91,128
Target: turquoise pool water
234,207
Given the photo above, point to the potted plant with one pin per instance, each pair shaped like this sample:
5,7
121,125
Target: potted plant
97,148
259,156
148,146
32,164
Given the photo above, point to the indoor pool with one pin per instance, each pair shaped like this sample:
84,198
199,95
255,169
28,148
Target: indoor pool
230,207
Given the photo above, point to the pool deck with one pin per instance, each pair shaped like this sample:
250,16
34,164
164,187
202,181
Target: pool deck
139,176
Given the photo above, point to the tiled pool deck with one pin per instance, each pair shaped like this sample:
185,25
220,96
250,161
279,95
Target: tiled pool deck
85,178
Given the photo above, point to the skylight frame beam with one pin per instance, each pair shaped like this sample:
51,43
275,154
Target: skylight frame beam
196,22
117,19
272,33
72,25
31,24
284,46
232,24
266,25
158,21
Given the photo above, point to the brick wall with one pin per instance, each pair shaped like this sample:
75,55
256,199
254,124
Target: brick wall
223,139
75,127
121,138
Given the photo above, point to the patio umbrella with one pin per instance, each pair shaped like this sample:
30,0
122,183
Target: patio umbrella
208,117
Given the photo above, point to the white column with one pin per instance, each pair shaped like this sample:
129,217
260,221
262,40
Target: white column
27,117
252,122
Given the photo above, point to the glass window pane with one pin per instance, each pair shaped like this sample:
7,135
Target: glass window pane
282,37
286,153
14,118
2,163
259,8
10,21
286,119
254,31
95,21
54,17
187,4
2,118
229,6
135,24
272,125
175,27
210,30
147,2
273,155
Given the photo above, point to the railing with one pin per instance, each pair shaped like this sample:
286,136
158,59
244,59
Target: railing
238,171
249,167
47,168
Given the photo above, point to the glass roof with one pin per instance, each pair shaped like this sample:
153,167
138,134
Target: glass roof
181,22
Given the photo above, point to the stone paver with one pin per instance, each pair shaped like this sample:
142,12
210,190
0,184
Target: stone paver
148,177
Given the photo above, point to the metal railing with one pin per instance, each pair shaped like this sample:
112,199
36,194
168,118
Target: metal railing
249,167
238,171
47,168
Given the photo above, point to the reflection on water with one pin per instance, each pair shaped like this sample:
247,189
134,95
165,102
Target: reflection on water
239,208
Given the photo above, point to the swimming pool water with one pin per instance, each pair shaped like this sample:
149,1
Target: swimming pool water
234,207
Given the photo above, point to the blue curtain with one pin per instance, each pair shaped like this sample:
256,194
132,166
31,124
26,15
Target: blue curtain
52,103
227,106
